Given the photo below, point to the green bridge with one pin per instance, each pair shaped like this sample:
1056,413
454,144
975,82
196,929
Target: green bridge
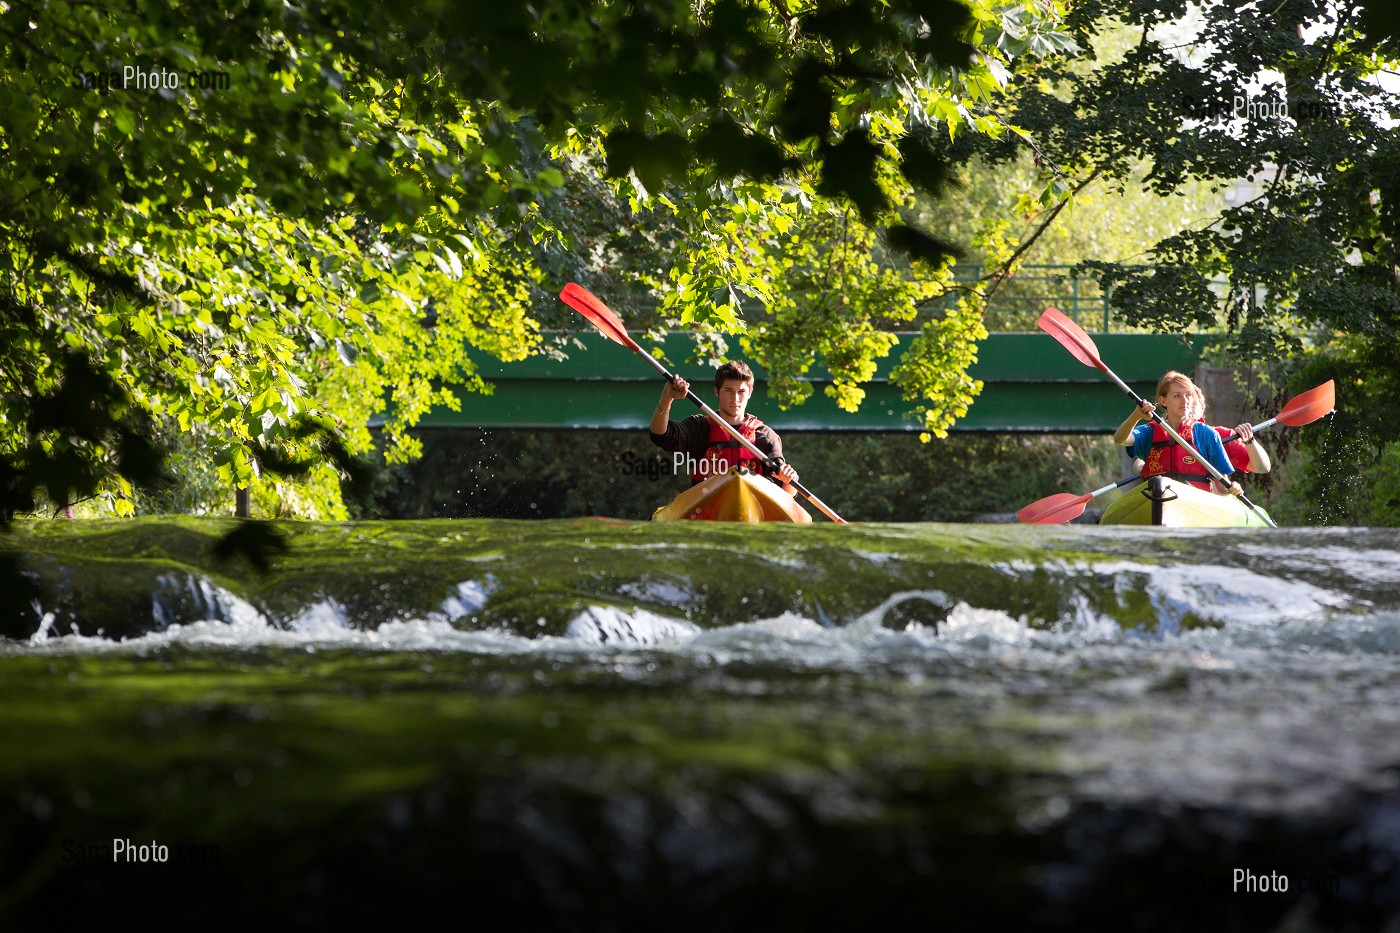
1032,385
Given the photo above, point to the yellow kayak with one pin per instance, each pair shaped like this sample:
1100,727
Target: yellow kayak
1174,504
736,496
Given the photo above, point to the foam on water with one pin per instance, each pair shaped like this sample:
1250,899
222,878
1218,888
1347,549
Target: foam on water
1226,595
1291,599
324,619
658,591
1257,714
469,597
1231,595
322,627
207,598
607,625
1370,565
1293,630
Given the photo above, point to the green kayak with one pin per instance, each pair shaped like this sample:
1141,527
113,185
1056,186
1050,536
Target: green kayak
1174,504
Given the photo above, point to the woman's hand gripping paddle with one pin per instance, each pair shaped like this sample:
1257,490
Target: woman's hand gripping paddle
602,317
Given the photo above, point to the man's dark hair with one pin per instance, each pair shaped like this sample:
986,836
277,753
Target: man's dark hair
734,369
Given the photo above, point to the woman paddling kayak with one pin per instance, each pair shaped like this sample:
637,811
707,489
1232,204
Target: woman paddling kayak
1184,403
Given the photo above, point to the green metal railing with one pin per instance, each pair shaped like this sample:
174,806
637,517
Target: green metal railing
1018,301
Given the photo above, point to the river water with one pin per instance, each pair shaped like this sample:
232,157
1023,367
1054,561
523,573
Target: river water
595,724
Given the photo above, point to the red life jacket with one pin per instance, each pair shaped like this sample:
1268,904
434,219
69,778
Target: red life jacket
724,453
1235,450
1170,459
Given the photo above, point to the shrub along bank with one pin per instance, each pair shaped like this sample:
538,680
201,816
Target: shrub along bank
477,473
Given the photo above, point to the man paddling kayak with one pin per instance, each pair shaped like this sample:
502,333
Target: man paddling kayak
1161,456
708,449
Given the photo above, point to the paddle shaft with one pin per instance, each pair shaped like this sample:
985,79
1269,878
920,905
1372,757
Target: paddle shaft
752,448
1112,486
1090,496
1171,432
1304,409
1258,427
1071,508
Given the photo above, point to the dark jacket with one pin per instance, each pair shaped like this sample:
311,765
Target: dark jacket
691,436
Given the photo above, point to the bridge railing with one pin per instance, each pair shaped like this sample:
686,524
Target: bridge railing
1018,301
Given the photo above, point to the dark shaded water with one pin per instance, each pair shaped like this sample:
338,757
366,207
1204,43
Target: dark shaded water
594,724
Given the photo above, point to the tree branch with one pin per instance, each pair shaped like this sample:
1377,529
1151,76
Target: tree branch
1004,272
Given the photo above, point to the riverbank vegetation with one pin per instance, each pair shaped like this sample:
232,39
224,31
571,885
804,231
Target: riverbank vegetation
466,473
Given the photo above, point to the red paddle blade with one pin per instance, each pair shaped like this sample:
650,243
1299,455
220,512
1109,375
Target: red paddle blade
600,315
1311,405
1054,510
1072,337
